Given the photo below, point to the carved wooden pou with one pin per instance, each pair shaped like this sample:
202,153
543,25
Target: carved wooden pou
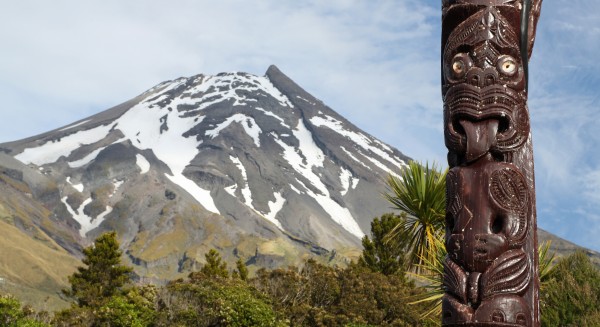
491,271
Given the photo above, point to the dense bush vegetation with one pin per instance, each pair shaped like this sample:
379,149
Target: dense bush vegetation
571,296
372,292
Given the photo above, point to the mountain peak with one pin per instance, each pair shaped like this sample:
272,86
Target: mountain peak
234,153
273,70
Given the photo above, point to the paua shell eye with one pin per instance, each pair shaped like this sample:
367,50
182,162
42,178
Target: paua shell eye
507,65
461,63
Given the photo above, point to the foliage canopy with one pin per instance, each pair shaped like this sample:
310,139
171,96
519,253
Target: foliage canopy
104,275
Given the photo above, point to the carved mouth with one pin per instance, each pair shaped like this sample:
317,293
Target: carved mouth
493,102
465,102
480,251
481,255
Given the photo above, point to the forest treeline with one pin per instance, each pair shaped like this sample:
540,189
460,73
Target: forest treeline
395,282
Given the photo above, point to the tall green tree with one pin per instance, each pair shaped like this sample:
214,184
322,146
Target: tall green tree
103,276
379,255
420,192
242,269
215,266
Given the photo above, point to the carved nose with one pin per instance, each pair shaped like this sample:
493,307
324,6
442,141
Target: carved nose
481,137
482,78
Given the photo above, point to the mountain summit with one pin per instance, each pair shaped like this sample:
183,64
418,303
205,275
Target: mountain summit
252,165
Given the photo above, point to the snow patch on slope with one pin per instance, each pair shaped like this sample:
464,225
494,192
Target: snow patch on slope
87,223
74,125
246,193
379,164
348,181
116,184
362,140
225,87
301,98
274,208
51,151
231,189
247,123
78,187
143,163
303,159
142,123
353,157
85,160
91,156
268,113
295,189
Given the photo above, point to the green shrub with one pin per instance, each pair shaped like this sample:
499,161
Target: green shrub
572,293
13,315
214,302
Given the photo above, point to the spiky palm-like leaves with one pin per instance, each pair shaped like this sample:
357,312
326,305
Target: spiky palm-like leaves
431,274
546,262
421,193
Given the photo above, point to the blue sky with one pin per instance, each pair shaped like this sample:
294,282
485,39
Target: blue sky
375,62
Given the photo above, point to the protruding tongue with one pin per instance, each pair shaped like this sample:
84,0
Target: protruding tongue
481,136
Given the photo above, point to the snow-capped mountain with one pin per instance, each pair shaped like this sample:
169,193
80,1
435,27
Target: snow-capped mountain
252,165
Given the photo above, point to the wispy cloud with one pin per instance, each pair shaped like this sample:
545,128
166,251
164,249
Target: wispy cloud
564,111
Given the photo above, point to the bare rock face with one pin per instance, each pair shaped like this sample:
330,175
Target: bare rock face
251,165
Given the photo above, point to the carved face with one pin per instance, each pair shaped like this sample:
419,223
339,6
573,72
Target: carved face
508,309
483,86
486,212
454,312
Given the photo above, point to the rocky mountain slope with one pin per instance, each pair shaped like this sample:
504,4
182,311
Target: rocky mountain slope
251,165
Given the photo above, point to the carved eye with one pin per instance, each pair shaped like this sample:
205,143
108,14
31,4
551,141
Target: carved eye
521,319
507,65
461,63
498,316
458,67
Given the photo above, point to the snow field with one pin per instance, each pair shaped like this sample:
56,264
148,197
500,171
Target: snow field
303,159
51,151
360,139
142,123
